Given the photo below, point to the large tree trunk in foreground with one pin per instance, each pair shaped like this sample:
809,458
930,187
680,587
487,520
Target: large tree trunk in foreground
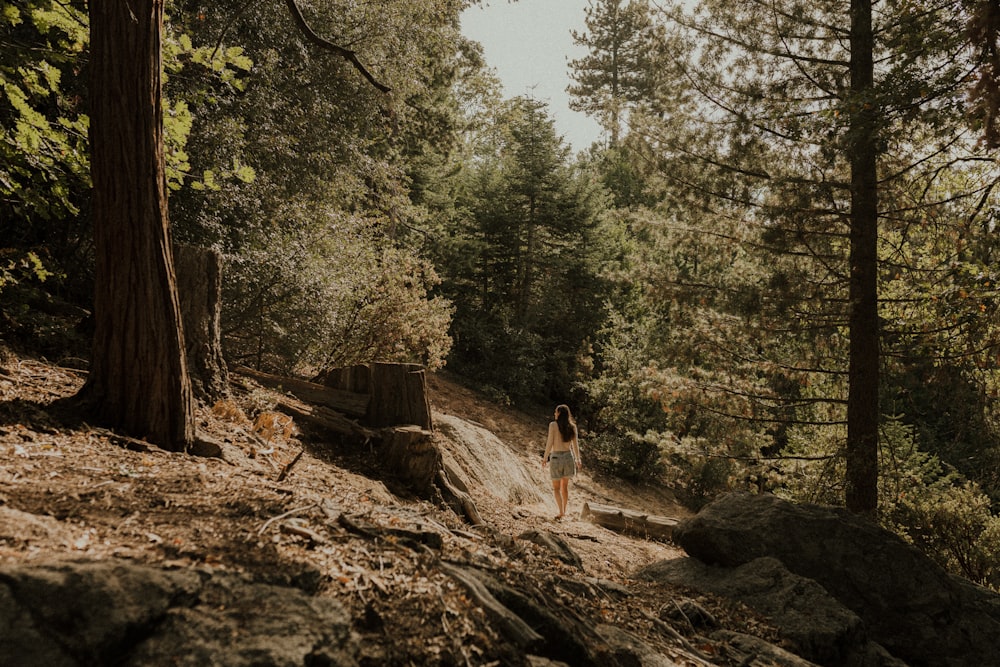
138,380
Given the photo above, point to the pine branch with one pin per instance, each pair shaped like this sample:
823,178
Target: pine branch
763,420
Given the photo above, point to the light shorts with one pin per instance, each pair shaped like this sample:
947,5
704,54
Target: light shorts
561,464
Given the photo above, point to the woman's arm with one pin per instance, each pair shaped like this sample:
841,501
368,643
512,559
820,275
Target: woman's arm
576,450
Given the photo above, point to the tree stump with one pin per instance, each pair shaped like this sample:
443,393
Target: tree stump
356,379
398,392
409,453
391,398
199,288
399,396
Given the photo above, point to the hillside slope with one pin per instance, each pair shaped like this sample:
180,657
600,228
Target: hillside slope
291,508
500,447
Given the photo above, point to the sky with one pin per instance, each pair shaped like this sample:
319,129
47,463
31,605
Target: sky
528,44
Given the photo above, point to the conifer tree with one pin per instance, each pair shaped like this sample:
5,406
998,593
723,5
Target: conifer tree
619,68
799,134
523,271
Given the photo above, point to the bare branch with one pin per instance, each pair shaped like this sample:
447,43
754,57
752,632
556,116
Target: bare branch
347,54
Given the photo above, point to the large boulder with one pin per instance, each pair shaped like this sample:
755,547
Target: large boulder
814,624
63,614
909,605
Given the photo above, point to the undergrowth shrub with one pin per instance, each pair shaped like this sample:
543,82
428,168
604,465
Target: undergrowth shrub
630,456
309,301
706,478
935,508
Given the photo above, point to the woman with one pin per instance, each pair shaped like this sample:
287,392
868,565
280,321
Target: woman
563,448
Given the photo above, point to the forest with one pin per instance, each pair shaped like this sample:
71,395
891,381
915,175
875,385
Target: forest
776,271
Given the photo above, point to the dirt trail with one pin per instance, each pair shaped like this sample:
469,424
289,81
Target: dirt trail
513,492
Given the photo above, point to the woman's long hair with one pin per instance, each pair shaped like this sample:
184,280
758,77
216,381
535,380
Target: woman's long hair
564,420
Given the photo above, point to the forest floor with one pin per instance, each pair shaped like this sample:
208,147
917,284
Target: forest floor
289,507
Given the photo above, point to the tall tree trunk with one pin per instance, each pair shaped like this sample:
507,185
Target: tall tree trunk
138,380
861,494
526,265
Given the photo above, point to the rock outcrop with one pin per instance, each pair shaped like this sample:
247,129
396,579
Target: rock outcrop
780,558
65,614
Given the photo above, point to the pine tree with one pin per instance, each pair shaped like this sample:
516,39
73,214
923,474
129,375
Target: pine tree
522,271
797,133
619,69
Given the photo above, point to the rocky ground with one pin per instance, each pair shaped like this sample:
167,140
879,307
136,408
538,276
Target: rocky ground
286,506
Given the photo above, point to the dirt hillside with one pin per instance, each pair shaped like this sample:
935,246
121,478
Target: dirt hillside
285,506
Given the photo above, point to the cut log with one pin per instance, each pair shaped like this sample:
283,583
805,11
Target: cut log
346,402
629,521
326,419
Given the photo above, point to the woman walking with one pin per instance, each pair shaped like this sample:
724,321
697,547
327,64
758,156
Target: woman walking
562,451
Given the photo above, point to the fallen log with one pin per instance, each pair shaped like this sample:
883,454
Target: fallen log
326,419
629,521
346,402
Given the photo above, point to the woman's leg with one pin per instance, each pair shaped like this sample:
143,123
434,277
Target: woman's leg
564,493
556,484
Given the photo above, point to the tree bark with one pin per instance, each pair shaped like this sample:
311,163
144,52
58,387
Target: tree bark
199,284
409,453
138,380
399,396
861,491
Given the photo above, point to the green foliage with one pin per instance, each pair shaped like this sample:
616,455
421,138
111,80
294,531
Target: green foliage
619,70
946,516
326,297
44,165
20,267
630,456
31,317
44,149
704,480
193,73
300,171
523,259
743,256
